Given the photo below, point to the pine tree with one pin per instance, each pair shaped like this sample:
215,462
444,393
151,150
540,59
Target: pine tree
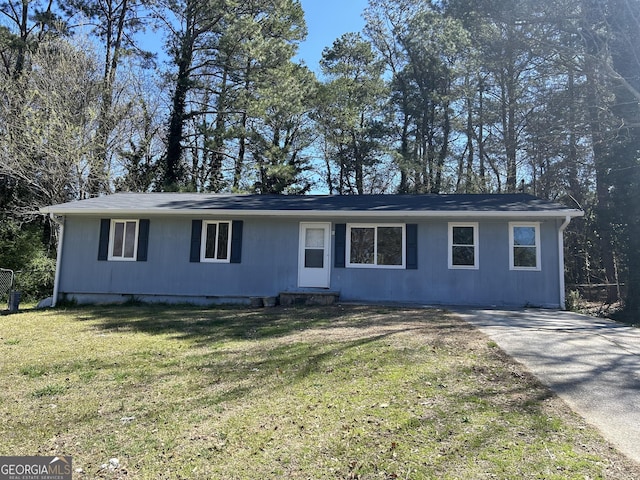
350,113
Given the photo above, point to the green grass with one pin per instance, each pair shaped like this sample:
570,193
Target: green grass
310,393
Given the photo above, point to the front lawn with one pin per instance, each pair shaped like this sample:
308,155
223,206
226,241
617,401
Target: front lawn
342,392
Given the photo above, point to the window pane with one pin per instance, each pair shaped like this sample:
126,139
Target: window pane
463,235
313,258
118,235
314,238
524,257
130,239
463,256
223,241
389,245
210,246
362,245
524,236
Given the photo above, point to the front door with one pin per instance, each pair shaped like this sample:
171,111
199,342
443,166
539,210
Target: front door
314,257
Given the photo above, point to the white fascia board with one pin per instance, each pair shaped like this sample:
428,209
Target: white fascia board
316,213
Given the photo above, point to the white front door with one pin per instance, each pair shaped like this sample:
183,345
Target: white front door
314,257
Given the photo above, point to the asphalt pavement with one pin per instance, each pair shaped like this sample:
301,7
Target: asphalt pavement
593,364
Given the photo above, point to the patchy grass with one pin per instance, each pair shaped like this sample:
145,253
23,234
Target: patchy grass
309,393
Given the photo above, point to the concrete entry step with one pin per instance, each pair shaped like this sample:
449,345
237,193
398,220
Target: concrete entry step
309,298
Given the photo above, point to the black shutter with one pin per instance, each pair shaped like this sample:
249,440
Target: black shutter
341,245
412,246
103,245
236,241
196,234
143,240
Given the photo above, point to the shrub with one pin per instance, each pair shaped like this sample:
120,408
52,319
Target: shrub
22,250
573,301
35,280
18,243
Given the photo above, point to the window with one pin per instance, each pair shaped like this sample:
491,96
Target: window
126,240
216,241
314,247
524,246
463,245
376,245
123,240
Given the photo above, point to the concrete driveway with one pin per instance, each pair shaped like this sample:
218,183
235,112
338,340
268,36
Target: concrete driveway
593,364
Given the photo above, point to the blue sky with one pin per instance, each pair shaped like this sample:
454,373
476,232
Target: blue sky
326,21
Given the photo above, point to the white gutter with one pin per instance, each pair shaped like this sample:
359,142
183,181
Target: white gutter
56,281
561,230
202,212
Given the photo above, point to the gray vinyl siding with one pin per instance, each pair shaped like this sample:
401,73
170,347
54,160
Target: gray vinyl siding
493,283
269,265
167,271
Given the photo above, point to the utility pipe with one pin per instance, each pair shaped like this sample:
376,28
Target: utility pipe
561,230
56,281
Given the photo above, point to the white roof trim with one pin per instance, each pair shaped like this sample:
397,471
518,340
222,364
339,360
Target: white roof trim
201,212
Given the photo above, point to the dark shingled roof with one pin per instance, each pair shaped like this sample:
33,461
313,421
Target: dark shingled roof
193,203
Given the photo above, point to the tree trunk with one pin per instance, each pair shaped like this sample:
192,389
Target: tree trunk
173,157
444,149
359,161
603,207
404,155
242,137
481,152
572,158
98,176
217,155
22,45
509,124
468,176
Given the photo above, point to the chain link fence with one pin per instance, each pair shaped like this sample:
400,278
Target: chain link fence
6,285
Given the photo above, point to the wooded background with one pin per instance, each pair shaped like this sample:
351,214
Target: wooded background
463,96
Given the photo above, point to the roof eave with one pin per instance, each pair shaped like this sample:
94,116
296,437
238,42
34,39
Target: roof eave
317,213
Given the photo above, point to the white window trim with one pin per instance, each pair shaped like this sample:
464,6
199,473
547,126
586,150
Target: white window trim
476,263
375,245
203,242
112,233
536,226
